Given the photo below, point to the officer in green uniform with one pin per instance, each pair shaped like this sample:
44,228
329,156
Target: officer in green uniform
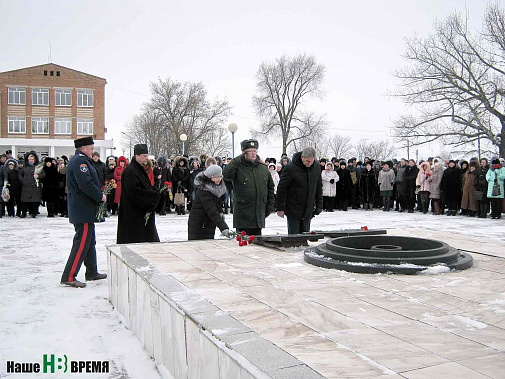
253,189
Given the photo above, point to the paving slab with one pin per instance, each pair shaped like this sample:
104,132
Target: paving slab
336,324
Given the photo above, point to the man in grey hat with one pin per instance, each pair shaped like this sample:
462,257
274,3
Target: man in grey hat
139,198
84,194
253,189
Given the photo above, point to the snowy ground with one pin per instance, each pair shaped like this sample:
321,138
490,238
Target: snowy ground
39,316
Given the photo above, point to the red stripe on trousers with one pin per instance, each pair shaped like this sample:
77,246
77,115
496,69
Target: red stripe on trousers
79,252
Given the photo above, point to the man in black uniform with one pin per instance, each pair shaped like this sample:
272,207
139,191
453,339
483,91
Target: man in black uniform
84,195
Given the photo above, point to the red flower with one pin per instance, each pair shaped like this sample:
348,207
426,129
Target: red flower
239,239
251,239
366,227
244,242
241,243
243,233
167,184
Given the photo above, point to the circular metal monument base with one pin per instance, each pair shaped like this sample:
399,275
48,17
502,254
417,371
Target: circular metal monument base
381,254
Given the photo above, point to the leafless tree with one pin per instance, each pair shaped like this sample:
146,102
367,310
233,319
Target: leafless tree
381,150
181,108
455,80
339,146
282,88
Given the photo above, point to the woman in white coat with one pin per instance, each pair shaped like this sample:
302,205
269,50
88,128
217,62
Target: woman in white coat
330,179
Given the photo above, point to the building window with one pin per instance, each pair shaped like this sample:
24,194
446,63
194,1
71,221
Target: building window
17,124
62,126
17,96
40,125
84,98
85,126
63,97
40,96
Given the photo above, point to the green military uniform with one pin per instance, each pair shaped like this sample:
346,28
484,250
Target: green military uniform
253,192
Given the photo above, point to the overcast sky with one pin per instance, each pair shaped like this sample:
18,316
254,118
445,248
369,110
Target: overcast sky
222,43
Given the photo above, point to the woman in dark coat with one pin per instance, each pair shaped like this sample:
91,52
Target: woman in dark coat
14,187
61,204
138,196
181,181
50,186
344,187
30,176
162,175
410,177
367,187
206,211
451,185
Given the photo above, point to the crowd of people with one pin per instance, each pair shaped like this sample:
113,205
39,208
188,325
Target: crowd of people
438,186
207,187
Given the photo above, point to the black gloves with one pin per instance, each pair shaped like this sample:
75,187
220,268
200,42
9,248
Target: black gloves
317,211
332,181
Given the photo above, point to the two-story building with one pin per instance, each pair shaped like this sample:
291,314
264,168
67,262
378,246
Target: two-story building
44,108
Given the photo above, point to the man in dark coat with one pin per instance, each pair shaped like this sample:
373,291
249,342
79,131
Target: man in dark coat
100,167
300,191
253,189
138,198
83,195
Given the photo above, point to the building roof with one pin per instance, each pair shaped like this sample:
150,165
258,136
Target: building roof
54,65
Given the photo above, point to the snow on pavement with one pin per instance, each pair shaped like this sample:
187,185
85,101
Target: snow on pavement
39,316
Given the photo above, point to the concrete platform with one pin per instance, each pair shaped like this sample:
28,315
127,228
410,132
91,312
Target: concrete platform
212,309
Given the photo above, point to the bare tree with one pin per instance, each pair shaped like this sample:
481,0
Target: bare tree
456,82
381,150
340,146
174,109
282,87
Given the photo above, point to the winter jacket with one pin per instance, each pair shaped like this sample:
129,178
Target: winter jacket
386,179
299,193
84,192
253,192
12,177
329,189
400,174
100,169
423,177
181,175
50,183
138,196
435,181
118,172
468,194
491,176
367,186
344,185
410,177
276,179
451,184
480,179
30,190
205,212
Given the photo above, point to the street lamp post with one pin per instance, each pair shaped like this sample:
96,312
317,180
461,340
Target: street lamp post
233,128
183,138
130,137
